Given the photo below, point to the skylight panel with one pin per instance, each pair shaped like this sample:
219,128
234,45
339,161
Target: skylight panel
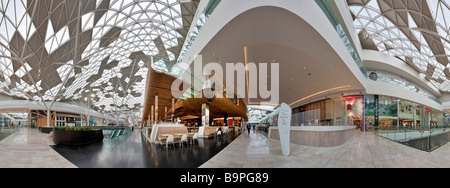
364,14
159,6
50,31
152,19
116,4
20,73
87,21
26,27
153,6
62,35
171,55
7,30
411,22
167,12
364,21
129,9
66,71
136,17
144,5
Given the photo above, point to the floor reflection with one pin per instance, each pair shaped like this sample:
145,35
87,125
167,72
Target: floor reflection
134,151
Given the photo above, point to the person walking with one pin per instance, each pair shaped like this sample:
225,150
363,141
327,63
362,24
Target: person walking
219,132
249,127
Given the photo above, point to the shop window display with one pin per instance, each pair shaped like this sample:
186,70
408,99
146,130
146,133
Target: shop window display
328,112
354,110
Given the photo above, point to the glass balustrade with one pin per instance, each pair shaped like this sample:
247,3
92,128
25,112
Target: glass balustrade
328,11
422,138
112,132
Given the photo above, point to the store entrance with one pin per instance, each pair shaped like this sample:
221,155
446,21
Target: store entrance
33,123
388,122
406,122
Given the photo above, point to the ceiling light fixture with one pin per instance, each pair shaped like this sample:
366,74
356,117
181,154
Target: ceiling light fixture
318,93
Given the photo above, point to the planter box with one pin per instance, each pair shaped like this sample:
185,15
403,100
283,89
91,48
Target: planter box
76,138
46,129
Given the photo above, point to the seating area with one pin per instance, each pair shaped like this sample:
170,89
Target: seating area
171,135
213,131
178,139
178,135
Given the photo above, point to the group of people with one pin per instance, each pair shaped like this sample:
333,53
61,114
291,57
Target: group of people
249,127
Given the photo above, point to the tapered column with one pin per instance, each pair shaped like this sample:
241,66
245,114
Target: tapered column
173,109
165,113
205,115
29,118
156,109
152,113
48,118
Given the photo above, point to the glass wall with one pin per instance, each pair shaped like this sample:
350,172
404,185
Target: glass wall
418,126
390,112
376,111
328,112
403,121
5,122
446,119
409,114
308,115
354,110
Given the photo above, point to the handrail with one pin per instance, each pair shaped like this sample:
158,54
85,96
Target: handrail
190,38
327,10
426,138
414,128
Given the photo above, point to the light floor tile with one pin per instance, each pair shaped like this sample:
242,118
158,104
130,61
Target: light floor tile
28,148
364,150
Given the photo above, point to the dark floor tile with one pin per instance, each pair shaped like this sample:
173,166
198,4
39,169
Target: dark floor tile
134,151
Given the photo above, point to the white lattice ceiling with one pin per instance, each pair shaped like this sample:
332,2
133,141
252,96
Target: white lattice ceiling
417,31
92,50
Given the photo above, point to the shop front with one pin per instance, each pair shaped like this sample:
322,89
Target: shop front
384,112
367,112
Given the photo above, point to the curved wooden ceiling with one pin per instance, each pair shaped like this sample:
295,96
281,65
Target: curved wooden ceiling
159,84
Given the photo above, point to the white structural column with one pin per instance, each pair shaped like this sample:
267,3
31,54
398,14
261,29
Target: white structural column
152,112
165,113
173,109
156,109
205,115
48,117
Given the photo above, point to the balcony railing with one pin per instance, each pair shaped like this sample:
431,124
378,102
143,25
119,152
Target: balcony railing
422,138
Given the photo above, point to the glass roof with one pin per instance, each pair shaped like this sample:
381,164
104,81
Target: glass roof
96,50
258,112
416,31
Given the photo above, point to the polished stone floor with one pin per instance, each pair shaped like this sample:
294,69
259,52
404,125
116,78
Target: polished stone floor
28,148
365,150
134,151
5,132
